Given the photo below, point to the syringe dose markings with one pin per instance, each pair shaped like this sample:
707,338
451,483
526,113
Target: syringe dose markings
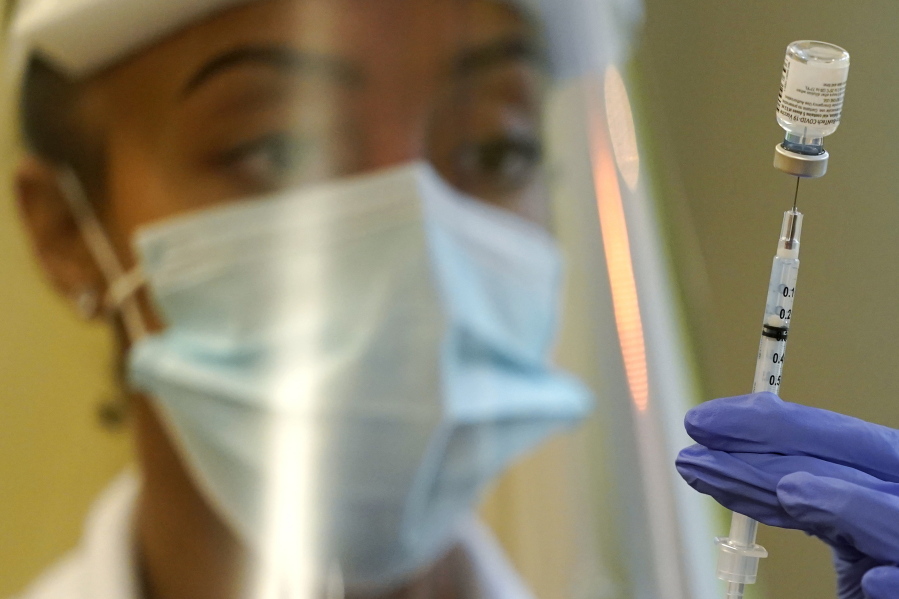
776,325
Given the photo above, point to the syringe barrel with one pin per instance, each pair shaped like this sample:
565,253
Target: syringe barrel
779,306
790,232
739,554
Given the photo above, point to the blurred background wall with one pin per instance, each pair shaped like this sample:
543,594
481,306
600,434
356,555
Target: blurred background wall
54,454
54,373
710,71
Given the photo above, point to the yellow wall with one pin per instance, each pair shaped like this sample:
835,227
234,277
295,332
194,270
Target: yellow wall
712,70
54,455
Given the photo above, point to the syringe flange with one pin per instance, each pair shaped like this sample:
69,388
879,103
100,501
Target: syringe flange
738,562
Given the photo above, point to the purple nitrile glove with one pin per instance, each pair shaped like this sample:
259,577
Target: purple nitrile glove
792,466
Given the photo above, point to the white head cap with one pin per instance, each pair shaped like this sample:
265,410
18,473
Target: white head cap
82,36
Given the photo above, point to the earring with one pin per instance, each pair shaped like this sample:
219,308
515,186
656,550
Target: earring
87,303
112,412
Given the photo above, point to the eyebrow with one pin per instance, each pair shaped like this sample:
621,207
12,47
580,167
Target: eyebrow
496,53
279,57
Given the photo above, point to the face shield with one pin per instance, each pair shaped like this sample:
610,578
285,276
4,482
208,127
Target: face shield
392,280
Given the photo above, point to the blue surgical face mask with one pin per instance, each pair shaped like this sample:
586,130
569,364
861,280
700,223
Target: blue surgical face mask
346,367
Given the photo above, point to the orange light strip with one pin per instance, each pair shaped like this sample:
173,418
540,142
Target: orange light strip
625,301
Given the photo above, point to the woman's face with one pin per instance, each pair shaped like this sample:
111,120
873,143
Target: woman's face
281,93
275,94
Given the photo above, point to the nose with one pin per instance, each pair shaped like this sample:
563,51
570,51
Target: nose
391,137
405,90
395,125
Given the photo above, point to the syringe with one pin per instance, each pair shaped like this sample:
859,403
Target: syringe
738,560
809,107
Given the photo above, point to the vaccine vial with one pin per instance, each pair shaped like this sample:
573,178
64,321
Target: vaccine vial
812,88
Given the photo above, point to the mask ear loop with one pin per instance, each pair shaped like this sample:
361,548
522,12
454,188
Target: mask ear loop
122,286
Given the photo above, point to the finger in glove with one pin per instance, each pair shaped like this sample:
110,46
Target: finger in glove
881,583
843,514
763,423
747,482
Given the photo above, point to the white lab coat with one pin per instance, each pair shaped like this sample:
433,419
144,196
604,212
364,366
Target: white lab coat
103,565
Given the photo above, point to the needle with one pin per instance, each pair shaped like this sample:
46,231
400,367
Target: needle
796,195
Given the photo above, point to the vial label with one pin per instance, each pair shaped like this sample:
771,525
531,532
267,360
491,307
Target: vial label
811,96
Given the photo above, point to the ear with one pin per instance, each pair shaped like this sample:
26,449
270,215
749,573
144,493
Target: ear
54,233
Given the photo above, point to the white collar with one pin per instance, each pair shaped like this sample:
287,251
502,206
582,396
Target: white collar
495,576
111,564
108,544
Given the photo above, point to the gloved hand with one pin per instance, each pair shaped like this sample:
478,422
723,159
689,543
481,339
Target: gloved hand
792,466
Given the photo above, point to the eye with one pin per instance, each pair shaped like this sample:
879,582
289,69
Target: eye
273,162
498,166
